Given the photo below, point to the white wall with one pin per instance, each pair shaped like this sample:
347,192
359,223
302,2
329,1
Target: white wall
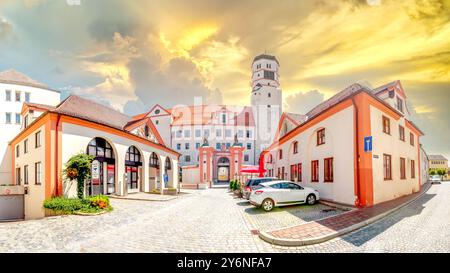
75,139
390,144
192,140
9,131
191,175
339,139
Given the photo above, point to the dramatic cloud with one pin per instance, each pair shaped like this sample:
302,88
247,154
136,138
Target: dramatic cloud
133,54
303,102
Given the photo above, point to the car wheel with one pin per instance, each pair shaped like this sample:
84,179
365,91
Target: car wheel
267,204
311,199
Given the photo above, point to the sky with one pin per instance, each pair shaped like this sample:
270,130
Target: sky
134,54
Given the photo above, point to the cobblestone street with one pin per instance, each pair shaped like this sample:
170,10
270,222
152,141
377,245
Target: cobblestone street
213,221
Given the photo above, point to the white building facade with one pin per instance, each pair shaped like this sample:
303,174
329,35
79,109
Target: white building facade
16,89
357,148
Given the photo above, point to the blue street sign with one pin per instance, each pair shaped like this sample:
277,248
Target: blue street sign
368,144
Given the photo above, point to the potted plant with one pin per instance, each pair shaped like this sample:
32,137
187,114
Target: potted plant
238,189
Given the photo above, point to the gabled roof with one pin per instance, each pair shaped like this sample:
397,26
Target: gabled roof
133,124
146,114
79,107
436,157
13,76
38,106
390,86
342,96
339,97
294,119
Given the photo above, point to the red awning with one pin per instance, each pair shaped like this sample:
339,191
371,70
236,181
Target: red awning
250,169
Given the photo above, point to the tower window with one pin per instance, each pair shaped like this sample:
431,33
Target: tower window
269,95
270,75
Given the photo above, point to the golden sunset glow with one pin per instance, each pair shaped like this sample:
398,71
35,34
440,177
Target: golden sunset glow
168,52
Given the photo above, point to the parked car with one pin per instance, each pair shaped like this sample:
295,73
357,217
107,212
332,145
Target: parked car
251,183
282,193
435,179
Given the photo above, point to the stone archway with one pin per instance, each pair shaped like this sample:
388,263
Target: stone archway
223,169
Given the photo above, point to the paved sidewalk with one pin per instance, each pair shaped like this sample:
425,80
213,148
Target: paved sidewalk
143,196
328,228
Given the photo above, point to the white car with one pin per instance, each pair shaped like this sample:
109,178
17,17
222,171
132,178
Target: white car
435,179
282,193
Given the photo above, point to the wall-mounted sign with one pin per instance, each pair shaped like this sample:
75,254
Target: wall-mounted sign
375,156
95,172
368,144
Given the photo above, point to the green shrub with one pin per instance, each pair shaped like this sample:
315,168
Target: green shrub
64,204
70,205
238,186
99,201
232,185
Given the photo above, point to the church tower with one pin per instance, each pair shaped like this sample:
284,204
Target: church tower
266,99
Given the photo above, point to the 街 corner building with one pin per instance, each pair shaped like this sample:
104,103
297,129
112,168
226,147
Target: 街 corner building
131,154
359,147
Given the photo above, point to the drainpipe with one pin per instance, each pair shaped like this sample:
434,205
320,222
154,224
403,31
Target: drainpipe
56,154
358,193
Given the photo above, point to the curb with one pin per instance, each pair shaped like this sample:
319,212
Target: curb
311,241
146,200
90,214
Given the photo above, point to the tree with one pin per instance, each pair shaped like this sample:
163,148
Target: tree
442,172
79,167
432,172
